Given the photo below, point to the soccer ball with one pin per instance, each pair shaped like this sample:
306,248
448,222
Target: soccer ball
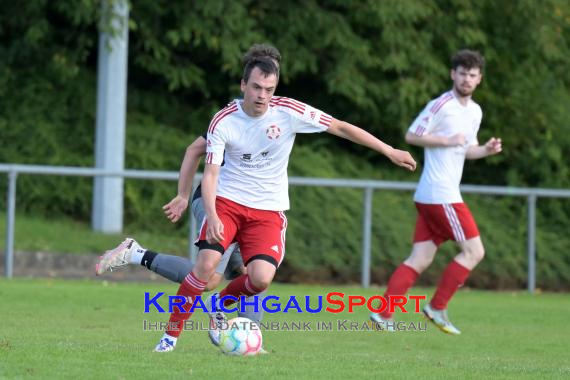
240,337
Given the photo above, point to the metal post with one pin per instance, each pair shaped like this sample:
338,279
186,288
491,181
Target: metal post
531,243
107,213
366,237
10,220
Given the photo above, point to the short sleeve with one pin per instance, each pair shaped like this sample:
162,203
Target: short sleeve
425,122
215,144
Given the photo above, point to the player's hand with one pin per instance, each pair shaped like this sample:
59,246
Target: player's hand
403,159
456,140
214,230
175,208
494,146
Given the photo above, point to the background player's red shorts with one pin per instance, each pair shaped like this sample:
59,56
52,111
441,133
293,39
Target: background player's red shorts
260,233
442,222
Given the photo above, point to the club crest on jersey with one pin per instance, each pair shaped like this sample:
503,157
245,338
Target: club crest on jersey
273,132
313,114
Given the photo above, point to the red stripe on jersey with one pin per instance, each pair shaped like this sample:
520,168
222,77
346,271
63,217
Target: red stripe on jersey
209,157
288,106
325,120
440,102
441,105
441,99
283,98
220,115
420,130
289,103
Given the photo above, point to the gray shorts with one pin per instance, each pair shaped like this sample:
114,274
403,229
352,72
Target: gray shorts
231,259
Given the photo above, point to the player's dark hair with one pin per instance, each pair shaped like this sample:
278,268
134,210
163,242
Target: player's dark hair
262,50
468,59
265,64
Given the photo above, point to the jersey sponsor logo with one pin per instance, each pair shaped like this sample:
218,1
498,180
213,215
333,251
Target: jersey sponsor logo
257,161
273,132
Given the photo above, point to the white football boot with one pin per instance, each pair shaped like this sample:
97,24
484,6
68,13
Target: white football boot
382,324
117,258
166,344
440,319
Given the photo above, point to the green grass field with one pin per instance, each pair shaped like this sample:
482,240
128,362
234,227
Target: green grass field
94,330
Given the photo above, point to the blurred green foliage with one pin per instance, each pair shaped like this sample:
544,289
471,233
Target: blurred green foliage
373,63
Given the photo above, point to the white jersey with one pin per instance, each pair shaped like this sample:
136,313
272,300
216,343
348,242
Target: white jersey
443,166
257,150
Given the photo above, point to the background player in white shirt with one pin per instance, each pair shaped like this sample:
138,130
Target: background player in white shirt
257,135
447,129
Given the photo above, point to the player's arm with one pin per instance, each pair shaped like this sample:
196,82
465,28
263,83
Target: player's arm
215,228
194,152
491,147
428,140
360,136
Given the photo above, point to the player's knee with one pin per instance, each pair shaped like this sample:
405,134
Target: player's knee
213,283
205,269
419,263
260,283
475,253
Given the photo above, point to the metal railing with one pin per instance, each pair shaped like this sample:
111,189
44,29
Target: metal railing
13,170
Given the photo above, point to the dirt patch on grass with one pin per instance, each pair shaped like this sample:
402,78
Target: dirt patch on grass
60,265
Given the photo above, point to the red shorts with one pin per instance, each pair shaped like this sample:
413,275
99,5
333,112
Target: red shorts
259,233
442,222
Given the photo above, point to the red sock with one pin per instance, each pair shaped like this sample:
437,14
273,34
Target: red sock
401,281
452,279
189,288
241,286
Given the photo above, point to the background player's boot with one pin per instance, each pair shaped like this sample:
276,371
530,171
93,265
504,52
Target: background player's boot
117,258
440,319
382,324
217,318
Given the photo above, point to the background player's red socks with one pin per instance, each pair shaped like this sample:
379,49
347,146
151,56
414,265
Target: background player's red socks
401,281
452,279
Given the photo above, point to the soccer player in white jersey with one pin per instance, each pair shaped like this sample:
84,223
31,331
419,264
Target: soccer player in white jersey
245,202
447,129
175,268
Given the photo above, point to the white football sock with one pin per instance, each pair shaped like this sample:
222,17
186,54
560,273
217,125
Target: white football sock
137,255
